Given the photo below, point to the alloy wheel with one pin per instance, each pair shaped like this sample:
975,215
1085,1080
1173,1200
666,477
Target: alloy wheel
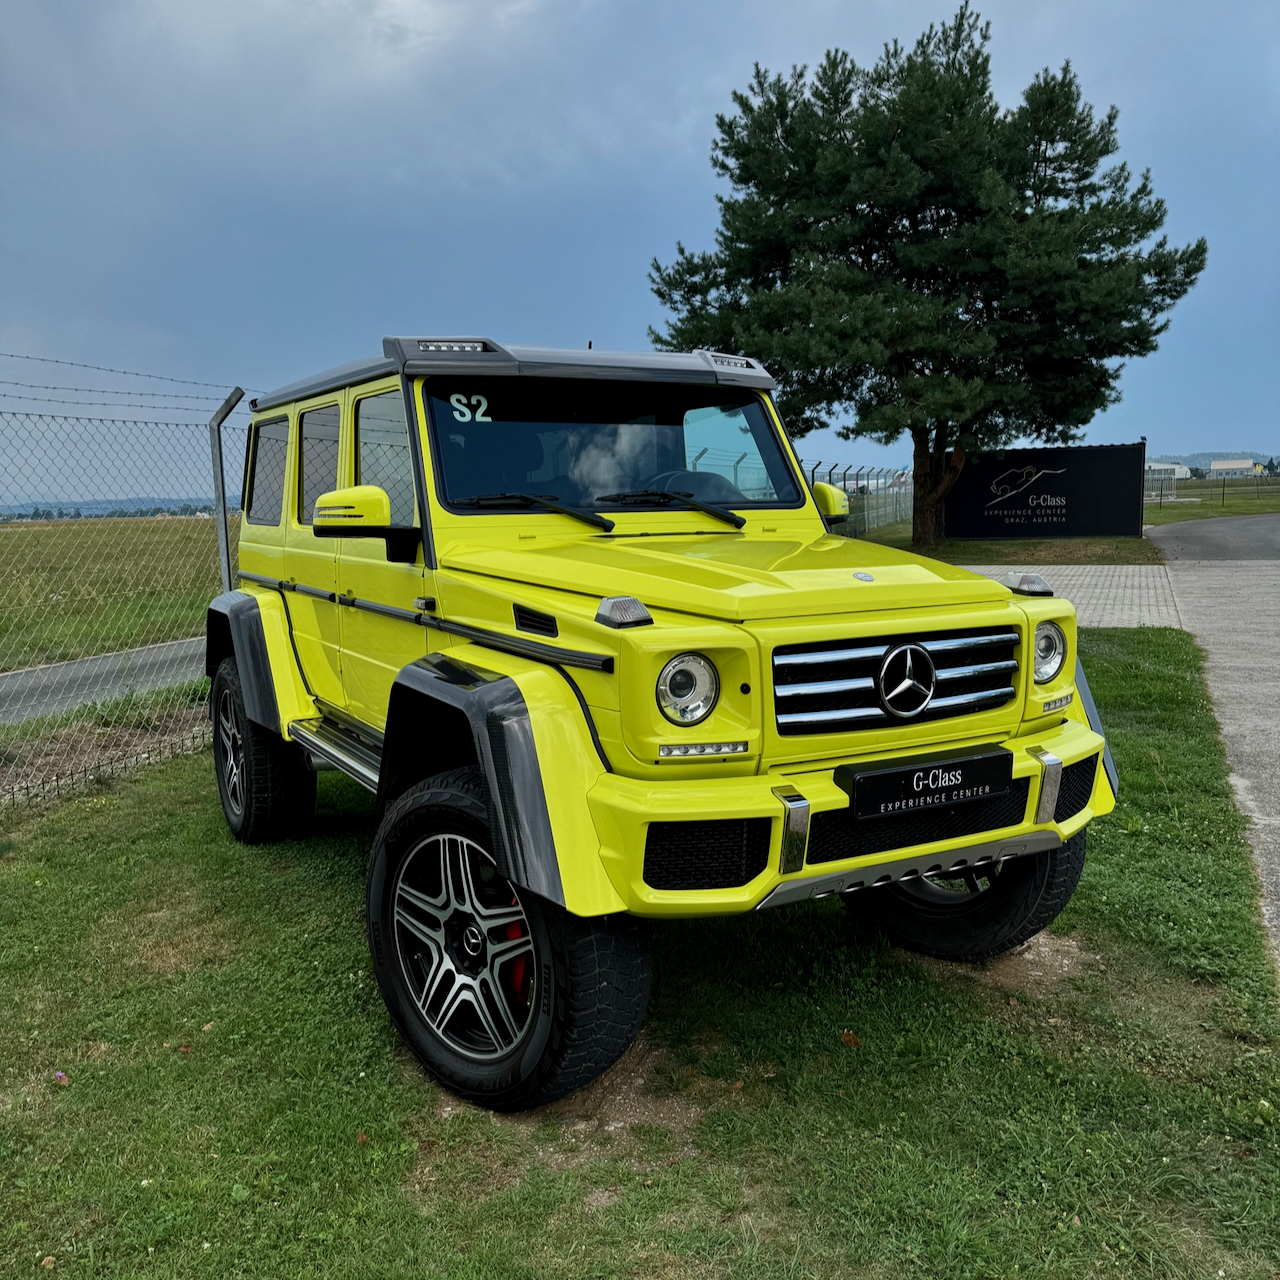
231,739
465,947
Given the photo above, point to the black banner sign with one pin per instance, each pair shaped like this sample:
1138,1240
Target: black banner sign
1070,491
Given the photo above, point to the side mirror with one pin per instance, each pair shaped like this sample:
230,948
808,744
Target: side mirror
833,503
364,511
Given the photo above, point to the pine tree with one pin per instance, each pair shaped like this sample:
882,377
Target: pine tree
906,256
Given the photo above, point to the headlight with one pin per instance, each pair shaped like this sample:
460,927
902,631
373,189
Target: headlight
688,688
1051,651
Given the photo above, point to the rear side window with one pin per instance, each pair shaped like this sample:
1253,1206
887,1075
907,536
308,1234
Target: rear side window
318,466
382,453
265,500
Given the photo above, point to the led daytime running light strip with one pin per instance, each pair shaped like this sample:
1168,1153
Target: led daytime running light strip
703,749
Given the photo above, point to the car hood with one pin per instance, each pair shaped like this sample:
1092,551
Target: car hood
736,578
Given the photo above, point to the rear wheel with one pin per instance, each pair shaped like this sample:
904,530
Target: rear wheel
267,791
506,998
976,914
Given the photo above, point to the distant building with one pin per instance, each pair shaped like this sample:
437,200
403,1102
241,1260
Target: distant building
1168,471
1230,468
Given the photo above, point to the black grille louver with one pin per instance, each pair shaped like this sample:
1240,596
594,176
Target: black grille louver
837,834
538,624
1075,788
715,854
829,686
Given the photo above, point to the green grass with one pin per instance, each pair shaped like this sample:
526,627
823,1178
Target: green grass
76,588
1242,498
1026,550
237,1104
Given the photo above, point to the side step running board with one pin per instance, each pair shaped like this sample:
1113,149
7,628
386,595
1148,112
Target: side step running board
340,748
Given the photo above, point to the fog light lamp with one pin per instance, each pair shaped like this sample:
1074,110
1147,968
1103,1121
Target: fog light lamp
668,749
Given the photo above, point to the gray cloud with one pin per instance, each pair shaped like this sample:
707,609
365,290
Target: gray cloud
250,189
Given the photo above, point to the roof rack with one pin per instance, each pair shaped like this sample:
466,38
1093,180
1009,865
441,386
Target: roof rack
437,356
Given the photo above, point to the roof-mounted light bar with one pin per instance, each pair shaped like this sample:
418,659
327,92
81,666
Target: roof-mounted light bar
453,346
731,362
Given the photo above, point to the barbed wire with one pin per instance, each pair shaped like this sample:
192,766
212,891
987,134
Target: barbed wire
101,404
130,373
107,391
85,419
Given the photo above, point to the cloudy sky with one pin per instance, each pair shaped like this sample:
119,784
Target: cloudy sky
251,190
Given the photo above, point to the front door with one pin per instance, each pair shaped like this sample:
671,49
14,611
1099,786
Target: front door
375,647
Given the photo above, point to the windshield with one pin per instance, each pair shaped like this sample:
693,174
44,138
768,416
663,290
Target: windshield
604,445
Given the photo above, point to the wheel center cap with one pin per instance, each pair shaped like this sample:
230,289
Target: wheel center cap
472,940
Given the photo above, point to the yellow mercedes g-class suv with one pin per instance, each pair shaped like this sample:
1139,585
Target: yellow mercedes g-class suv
578,620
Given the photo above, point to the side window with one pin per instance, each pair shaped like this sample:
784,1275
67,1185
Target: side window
382,453
318,465
264,501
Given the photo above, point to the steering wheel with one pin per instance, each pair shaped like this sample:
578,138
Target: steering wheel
710,486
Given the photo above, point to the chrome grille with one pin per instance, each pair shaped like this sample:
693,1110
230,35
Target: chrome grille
829,686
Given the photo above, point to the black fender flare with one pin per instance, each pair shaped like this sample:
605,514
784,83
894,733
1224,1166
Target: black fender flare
445,714
233,628
1095,723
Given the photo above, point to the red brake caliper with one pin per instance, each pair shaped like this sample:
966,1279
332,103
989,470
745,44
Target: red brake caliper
516,930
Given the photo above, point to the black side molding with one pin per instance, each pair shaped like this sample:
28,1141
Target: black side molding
1095,723
233,628
444,714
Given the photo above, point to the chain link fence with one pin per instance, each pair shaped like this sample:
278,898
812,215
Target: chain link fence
108,559
878,496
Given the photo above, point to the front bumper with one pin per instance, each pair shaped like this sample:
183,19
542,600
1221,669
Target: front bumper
623,808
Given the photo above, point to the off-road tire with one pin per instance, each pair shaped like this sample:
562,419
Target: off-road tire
1023,897
276,792
592,975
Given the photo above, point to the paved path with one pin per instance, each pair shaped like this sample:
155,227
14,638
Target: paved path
1222,584
62,686
1232,538
1106,595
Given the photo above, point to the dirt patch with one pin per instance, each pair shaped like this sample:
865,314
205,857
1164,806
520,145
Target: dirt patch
1037,968
1040,965
631,1113
46,764
628,1110
172,933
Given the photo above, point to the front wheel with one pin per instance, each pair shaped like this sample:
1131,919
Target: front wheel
507,999
975,914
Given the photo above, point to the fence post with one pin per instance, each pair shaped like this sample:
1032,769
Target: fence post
736,465
813,473
220,484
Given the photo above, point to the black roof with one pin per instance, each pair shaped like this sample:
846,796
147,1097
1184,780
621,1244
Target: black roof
482,355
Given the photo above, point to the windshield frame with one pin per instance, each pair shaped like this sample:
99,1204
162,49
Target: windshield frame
727,394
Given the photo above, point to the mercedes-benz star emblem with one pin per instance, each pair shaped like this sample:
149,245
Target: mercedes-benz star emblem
907,681
472,939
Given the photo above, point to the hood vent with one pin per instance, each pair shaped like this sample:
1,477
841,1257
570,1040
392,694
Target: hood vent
537,624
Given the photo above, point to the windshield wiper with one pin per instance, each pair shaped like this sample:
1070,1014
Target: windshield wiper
546,501
672,495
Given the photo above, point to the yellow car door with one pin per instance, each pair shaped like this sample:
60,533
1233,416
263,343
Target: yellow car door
375,646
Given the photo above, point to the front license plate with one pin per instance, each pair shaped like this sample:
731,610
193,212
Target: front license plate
888,789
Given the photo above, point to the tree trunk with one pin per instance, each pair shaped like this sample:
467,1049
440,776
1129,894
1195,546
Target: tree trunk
935,473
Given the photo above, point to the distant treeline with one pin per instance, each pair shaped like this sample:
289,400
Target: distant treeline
39,513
